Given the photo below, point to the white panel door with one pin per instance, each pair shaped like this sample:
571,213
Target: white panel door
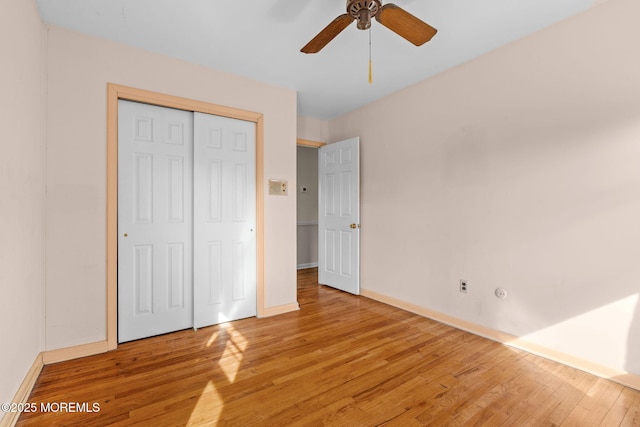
339,215
225,220
155,220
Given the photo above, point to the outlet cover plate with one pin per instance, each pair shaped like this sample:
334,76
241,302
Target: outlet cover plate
464,286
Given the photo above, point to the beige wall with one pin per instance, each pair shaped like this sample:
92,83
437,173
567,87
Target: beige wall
22,166
313,129
79,69
519,170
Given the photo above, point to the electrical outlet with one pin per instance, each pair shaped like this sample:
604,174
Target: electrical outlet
464,286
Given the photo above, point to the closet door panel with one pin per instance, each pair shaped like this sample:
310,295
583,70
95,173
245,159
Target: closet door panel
155,220
224,220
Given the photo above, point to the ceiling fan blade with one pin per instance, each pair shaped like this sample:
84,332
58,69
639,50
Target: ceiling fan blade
405,24
328,34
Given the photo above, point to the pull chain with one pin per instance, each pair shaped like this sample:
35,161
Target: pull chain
370,64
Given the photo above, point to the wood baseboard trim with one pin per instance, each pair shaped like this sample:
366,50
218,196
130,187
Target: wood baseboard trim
69,353
624,378
621,377
281,309
24,391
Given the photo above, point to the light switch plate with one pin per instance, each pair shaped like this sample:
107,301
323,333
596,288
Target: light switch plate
278,187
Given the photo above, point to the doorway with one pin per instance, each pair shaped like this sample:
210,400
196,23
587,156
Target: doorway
307,207
336,182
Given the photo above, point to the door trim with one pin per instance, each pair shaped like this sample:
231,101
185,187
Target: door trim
116,92
308,143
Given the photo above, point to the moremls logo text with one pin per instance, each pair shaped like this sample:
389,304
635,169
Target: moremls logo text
69,407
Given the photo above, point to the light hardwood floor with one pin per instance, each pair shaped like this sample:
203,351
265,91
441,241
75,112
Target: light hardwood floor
341,360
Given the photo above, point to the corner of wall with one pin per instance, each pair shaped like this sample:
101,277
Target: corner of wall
24,391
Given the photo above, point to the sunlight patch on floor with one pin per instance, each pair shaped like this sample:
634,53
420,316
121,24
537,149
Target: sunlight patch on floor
210,405
213,338
208,408
235,347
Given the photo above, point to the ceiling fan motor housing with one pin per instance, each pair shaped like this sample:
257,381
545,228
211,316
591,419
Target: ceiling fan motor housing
363,11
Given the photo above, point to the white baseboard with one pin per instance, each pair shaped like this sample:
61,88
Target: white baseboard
22,395
625,378
308,265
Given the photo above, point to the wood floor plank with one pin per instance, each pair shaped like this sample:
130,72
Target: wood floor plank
618,411
341,360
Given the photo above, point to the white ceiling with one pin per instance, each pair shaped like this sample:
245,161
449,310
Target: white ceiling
261,39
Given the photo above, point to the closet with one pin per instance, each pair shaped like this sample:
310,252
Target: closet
186,220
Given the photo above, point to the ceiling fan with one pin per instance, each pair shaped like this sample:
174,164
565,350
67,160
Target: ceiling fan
391,16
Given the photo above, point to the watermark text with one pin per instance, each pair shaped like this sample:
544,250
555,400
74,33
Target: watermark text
65,407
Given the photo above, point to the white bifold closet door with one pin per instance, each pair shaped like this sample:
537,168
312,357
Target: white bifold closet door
186,220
